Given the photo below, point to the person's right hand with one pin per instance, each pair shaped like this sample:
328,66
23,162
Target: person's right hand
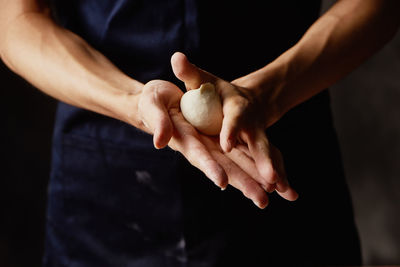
159,112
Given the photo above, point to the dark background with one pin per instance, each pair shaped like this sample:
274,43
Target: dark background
26,130
367,117
366,107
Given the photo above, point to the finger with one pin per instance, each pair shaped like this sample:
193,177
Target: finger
259,148
229,129
238,177
247,164
285,190
288,194
185,140
234,109
188,73
282,186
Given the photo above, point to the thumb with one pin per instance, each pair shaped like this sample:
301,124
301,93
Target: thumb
155,118
188,73
163,129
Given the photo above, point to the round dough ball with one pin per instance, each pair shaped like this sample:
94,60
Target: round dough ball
202,108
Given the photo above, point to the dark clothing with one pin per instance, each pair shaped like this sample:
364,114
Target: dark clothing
116,201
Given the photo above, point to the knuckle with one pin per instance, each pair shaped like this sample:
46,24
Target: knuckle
272,180
236,110
269,174
152,83
239,103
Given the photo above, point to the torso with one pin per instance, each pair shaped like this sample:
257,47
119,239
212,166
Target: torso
126,204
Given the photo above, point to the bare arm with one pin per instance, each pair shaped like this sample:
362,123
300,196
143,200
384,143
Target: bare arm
344,37
62,64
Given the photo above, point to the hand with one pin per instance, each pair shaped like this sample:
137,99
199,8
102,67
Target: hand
158,109
243,126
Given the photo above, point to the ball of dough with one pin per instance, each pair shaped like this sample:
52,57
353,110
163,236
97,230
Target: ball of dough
202,108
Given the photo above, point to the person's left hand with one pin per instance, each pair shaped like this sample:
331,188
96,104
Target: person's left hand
243,127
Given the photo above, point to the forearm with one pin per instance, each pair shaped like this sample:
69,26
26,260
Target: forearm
343,38
64,66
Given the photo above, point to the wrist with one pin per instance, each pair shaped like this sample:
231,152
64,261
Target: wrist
277,85
267,87
122,104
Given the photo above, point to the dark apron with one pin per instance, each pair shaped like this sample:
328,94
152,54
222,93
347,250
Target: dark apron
116,201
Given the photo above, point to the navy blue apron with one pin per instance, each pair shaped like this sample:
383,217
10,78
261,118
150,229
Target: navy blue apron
116,201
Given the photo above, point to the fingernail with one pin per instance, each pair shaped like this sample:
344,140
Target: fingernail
259,205
221,186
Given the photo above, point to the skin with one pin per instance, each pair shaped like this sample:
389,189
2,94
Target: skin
63,65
